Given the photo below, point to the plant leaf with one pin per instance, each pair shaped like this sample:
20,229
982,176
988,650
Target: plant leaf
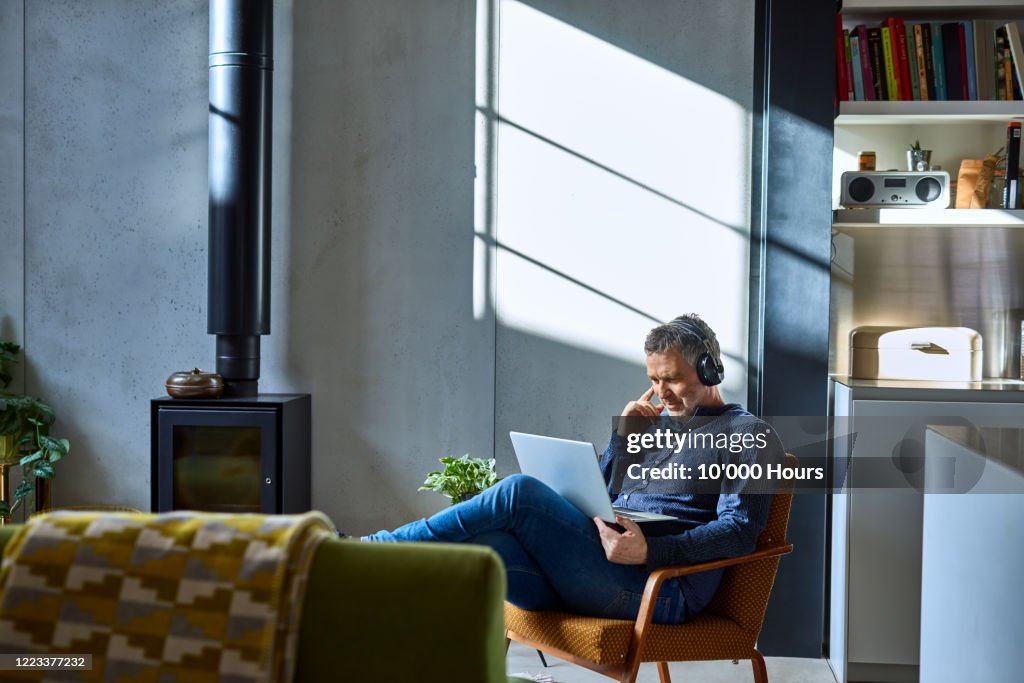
31,458
9,421
44,470
53,445
8,354
44,411
24,490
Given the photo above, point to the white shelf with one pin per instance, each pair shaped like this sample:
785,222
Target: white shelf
910,5
915,112
847,219
984,8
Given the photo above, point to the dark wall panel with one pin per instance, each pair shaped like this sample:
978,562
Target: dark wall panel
790,253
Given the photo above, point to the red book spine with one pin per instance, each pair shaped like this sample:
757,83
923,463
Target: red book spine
865,63
963,60
906,92
841,60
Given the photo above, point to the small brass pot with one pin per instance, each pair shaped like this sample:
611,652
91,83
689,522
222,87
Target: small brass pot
195,384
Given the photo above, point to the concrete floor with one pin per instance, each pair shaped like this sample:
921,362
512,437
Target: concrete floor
522,660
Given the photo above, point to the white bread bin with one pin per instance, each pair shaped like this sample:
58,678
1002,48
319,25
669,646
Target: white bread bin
948,354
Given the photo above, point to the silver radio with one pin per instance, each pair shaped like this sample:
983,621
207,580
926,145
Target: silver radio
894,189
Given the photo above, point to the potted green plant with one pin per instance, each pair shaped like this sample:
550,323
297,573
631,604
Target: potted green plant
24,437
462,478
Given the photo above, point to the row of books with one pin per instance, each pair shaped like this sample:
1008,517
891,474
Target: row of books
955,60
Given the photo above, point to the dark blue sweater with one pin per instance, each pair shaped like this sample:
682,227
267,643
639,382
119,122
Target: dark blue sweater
713,525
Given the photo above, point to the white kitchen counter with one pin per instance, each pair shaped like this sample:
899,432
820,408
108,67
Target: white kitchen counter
972,569
992,390
875,595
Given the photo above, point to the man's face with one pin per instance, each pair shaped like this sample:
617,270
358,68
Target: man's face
675,382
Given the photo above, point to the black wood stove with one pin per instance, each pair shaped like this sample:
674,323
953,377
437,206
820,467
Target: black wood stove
245,452
231,455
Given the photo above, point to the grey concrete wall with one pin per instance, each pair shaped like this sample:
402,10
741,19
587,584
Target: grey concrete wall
622,194
372,249
115,150
383,303
12,224
379,322
116,212
372,253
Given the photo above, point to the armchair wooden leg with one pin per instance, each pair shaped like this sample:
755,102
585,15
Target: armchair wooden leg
663,672
760,671
630,673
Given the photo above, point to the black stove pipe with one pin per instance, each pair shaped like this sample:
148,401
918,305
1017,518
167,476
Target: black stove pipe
241,66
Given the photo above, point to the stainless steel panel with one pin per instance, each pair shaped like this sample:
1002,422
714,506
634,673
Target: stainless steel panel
919,275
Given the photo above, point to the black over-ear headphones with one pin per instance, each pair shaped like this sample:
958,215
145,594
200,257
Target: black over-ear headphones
710,370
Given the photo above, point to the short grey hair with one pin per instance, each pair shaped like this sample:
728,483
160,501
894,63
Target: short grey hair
683,334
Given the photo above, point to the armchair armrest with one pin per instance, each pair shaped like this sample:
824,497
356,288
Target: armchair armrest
659,576
665,573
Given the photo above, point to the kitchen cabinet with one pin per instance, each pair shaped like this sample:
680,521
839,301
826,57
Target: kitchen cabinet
876,549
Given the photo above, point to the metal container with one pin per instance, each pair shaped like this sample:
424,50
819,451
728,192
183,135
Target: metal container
948,354
1001,330
195,384
919,160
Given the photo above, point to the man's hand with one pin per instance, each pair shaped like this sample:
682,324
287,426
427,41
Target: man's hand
628,547
640,408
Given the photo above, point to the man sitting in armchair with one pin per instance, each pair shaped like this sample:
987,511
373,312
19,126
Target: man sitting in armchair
557,558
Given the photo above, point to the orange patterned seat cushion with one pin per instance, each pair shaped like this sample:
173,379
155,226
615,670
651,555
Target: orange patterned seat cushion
606,641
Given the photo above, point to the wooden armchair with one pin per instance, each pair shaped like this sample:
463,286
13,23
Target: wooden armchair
726,629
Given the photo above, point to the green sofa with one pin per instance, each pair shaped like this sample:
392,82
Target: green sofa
410,612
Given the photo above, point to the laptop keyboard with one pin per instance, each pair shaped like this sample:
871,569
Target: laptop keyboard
631,514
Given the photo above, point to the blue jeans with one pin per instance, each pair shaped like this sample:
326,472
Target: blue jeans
552,552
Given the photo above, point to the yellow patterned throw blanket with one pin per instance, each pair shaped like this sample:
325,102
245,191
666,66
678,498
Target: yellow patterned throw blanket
181,596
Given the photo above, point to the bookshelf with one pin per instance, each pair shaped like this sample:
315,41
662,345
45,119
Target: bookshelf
953,129
922,40
852,220
1010,9
916,112
911,267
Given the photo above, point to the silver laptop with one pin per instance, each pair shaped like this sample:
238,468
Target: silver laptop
571,468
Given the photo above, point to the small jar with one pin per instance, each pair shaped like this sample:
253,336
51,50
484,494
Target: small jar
866,161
